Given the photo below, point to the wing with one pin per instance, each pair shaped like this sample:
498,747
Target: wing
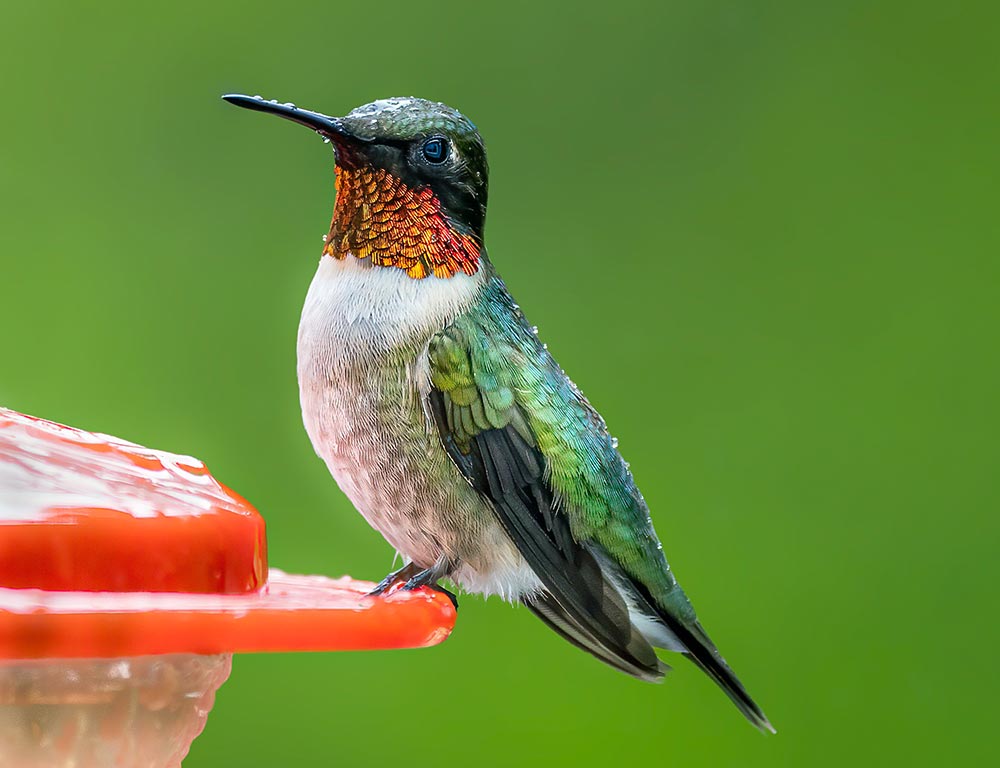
529,442
487,430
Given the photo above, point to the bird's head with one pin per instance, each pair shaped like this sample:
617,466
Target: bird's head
411,184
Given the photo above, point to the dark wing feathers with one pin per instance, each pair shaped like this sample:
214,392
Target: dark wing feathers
581,604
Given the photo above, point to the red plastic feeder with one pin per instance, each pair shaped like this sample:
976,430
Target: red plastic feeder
128,577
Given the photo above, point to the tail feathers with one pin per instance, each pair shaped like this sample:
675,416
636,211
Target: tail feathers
672,630
702,651
635,657
638,658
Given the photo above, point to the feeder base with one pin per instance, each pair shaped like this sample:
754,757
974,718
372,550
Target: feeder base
133,712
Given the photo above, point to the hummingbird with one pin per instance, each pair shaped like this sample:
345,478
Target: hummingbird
445,420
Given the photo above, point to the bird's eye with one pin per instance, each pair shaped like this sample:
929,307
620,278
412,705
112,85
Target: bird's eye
435,150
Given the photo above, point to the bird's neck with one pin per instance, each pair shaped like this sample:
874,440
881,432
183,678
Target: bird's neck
380,218
357,313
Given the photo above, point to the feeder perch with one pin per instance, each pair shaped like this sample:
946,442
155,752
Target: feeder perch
128,578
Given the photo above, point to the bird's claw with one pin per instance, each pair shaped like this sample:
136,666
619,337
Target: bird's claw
404,575
412,576
420,580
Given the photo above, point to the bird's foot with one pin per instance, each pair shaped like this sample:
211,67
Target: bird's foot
402,576
411,576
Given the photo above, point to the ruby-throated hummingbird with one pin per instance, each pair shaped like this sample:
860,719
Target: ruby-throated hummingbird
446,421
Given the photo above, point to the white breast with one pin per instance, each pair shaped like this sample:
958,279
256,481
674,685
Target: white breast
367,310
362,366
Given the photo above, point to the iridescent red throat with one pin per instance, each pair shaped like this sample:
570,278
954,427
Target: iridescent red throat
378,217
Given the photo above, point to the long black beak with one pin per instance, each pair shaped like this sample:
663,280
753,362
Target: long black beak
331,127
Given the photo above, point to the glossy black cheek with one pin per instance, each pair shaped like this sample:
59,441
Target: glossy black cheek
462,202
385,156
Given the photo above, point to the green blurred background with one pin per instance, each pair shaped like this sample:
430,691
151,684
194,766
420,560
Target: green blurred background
762,237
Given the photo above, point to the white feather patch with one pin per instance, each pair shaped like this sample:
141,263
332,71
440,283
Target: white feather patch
379,308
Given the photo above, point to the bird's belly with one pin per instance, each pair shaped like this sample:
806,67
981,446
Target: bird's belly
381,458
366,421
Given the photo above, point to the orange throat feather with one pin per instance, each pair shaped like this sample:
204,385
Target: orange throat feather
380,218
